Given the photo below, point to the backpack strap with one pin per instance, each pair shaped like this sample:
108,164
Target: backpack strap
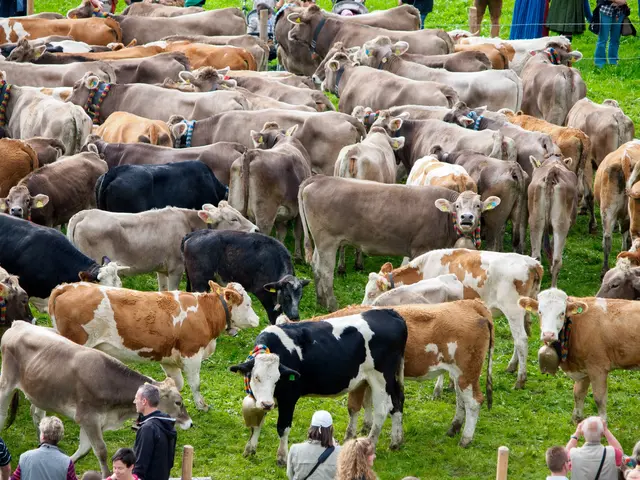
327,453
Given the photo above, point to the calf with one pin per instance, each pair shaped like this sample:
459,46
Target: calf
430,171
47,149
59,261
623,281
123,127
381,219
591,336
52,194
14,301
177,329
259,263
445,288
137,188
340,355
124,236
264,182
553,199
498,279
18,160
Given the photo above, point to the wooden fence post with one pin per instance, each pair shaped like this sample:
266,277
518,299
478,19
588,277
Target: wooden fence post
187,462
503,463
263,24
473,20
29,7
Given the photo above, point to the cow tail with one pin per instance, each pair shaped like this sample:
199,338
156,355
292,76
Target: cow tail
496,151
513,76
519,212
308,251
489,388
186,271
250,61
451,95
550,182
101,186
244,173
115,28
13,409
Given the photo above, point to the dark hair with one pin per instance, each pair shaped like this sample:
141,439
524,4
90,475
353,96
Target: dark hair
556,458
323,434
151,393
125,455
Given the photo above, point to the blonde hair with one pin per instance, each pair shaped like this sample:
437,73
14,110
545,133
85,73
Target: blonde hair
353,461
51,430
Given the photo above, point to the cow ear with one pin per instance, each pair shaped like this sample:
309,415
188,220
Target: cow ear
292,130
38,51
39,200
386,268
3,290
257,137
534,162
271,287
528,304
576,56
178,130
233,297
214,287
576,308
568,162
3,205
444,205
465,122
400,47
204,216
333,65
395,124
105,260
294,18
396,143
304,282
85,277
243,368
186,77
490,203
288,373
91,82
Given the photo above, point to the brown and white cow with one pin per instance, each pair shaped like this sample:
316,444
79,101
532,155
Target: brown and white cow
431,171
381,219
94,31
595,336
123,127
125,237
91,387
215,56
499,55
553,202
606,125
498,279
177,329
18,160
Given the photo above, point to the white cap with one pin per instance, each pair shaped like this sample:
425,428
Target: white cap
321,418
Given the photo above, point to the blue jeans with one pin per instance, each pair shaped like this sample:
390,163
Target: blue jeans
610,29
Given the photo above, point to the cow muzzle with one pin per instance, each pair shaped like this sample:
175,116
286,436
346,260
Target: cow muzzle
267,406
548,337
467,220
16,212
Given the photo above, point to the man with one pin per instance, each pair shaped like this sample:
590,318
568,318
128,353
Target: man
593,460
5,461
46,462
424,6
557,462
155,444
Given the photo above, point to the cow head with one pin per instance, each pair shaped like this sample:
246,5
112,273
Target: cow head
264,371
270,135
171,403
82,88
85,10
205,79
623,281
390,123
24,52
378,51
304,23
288,292
225,217
333,71
352,52
239,304
19,202
467,209
460,114
396,143
377,284
557,54
17,300
106,274
552,307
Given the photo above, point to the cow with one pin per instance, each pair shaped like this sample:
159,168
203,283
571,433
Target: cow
431,171
551,87
18,160
499,55
30,113
100,99
53,193
591,336
606,125
505,180
611,188
381,219
623,281
553,200
94,31
349,82
264,182
177,329
54,76
445,288
225,21
92,388
14,301
322,134
326,358
123,127
261,264
498,279
48,150
494,89
142,9
123,236
137,188
20,240
215,56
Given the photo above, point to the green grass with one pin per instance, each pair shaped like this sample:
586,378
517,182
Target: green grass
527,421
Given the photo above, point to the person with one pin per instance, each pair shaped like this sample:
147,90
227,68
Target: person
123,462
566,17
5,461
355,460
609,17
253,23
316,458
495,10
557,463
593,458
155,444
47,462
424,6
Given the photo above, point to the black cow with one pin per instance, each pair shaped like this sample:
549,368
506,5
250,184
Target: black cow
261,264
325,358
14,301
43,258
138,188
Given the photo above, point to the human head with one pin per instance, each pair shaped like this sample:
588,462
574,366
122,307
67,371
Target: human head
355,460
123,462
51,430
147,399
633,474
321,428
557,460
91,475
592,429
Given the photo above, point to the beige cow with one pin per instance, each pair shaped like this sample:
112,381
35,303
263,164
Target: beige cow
124,127
430,171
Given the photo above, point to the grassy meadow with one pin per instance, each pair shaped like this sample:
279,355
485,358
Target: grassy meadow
527,421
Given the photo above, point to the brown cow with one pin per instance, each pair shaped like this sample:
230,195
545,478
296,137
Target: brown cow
553,199
216,56
19,159
47,149
94,31
123,127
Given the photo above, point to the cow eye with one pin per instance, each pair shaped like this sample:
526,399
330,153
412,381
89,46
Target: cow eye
256,378
615,285
179,403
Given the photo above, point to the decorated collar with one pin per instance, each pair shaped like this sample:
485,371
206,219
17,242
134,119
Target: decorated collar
563,338
475,235
370,118
316,34
476,119
98,13
3,311
257,350
185,140
384,61
94,102
553,55
5,92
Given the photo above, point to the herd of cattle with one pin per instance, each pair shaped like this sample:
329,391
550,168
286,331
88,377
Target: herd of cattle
160,141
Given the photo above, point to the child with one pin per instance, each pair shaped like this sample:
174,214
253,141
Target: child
558,463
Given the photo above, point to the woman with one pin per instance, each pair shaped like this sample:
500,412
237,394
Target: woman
611,15
316,458
355,461
566,17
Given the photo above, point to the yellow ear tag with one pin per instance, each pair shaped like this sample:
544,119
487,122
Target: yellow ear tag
397,52
39,204
384,60
208,220
272,290
261,139
297,20
529,309
395,144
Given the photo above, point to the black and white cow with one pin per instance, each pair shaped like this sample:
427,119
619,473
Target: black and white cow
261,264
326,358
43,258
138,188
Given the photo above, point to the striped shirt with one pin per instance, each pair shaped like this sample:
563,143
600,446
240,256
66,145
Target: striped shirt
5,456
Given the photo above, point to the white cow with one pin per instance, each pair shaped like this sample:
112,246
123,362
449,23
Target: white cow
430,171
445,288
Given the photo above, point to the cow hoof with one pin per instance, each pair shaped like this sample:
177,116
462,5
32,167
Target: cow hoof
248,451
366,428
282,461
576,419
512,368
519,384
454,429
396,445
464,442
437,394
359,267
342,271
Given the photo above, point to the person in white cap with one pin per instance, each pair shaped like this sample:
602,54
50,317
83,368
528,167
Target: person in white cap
316,458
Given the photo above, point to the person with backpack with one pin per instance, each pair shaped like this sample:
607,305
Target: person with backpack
315,459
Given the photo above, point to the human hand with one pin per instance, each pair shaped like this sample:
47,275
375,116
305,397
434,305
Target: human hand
399,2
579,430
